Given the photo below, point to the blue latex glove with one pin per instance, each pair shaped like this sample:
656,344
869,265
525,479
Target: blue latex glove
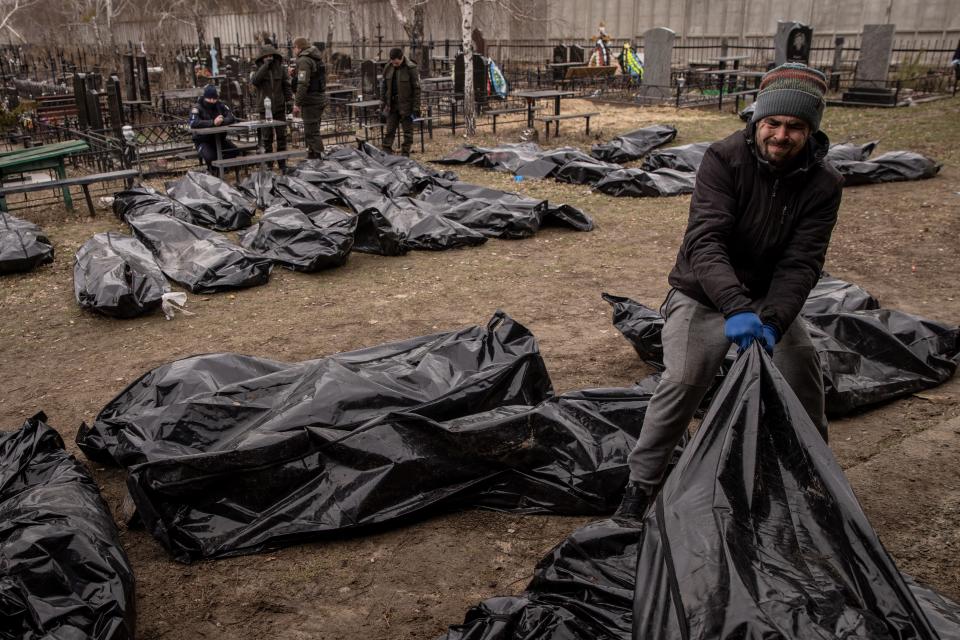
743,328
770,337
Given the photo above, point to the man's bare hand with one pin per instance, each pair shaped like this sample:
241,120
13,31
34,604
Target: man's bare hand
296,111
218,121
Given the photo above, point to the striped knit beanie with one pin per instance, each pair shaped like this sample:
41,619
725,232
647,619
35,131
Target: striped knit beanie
792,89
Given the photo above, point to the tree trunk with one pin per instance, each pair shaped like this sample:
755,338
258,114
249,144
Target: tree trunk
354,34
466,38
329,47
416,29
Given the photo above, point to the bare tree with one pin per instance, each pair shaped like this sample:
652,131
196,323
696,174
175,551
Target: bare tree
189,12
7,10
100,15
354,32
413,23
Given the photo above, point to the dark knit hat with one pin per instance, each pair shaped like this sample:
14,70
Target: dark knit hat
210,91
396,53
792,89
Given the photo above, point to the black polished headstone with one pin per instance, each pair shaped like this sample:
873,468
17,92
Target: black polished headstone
115,104
80,97
129,77
577,53
143,78
369,86
479,77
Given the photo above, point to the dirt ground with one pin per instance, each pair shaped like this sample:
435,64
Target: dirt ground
900,241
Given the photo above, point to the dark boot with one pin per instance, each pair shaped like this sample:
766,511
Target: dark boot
633,506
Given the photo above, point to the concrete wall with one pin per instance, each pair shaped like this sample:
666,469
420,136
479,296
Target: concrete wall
577,20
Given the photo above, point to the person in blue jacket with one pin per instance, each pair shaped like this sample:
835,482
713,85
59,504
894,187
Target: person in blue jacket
210,111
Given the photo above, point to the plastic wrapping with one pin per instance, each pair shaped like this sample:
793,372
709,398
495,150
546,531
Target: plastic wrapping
522,159
321,239
393,226
116,275
686,157
23,245
501,214
849,152
201,260
868,354
587,171
212,202
646,184
231,454
893,166
143,199
63,573
756,534
635,144
758,516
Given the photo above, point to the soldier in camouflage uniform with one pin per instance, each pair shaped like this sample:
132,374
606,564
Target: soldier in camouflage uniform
310,99
272,81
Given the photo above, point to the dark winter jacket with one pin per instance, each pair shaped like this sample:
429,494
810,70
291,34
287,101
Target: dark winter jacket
203,114
271,80
408,88
757,237
311,79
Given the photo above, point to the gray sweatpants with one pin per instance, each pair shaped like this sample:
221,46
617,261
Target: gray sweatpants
693,350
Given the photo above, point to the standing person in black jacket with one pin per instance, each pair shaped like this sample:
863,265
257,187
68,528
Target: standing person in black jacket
401,100
272,81
210,111
761,216
311,96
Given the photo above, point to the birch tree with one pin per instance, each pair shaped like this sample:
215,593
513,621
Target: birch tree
8,8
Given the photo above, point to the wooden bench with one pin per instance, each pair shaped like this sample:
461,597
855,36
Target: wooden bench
84,182
44,157
570,116
504,112
584,74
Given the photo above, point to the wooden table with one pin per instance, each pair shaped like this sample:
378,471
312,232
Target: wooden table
48,156
533,96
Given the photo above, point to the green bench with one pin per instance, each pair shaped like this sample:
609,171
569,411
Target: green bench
84,182
48,156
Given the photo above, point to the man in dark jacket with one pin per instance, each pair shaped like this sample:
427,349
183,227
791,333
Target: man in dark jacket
311,98
761,216
271,81
210,111
401,99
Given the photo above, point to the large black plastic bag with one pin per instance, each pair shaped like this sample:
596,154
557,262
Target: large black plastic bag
587,171
501,214
868,354
63,573
849,152
201,260
686,157
231,454
756,533
390,226
143,199
525,158
302,241
639,183
212,202
116,275
893,166
635,144
23,245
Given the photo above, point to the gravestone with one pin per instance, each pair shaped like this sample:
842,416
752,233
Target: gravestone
115,104
369,87
143,78
559,57
129,77
479,77
577,53
657,56
792,43
479,44
80,97
94,113
838,43
870,79
876,48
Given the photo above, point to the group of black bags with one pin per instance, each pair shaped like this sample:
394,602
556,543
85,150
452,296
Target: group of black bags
670,171
352,200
